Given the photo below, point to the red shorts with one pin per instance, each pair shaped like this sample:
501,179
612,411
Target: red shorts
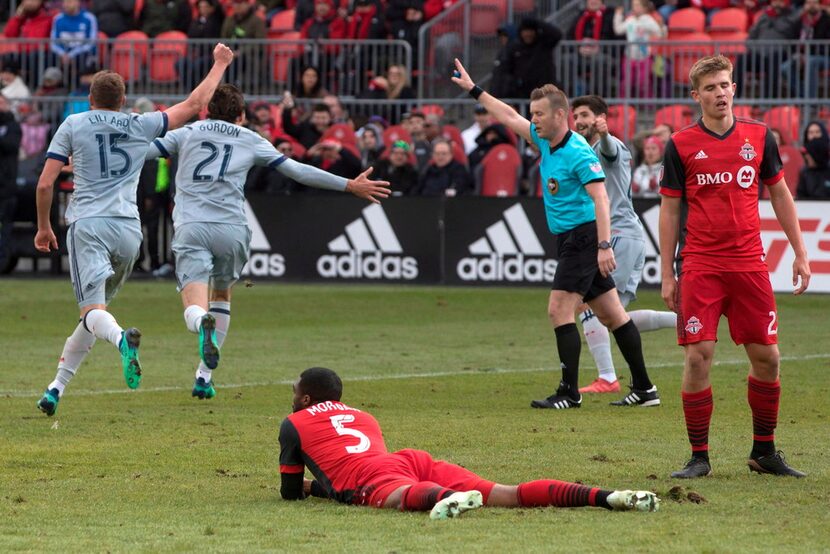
385,474
745,298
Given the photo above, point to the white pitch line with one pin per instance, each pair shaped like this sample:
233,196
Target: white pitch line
489,371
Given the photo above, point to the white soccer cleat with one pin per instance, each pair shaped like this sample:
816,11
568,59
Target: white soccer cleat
456,504
642,501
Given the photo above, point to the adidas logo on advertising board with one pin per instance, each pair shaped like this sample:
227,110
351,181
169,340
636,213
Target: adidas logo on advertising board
510,251
262,262
368,249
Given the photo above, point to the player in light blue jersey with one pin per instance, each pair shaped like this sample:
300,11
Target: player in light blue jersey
577,210
107,150
212,239
627,240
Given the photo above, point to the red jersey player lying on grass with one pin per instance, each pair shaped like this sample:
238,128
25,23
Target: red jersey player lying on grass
344,449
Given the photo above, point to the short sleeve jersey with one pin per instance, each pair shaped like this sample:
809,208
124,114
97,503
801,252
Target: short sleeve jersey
717,177
566,168
332,440
617,169
107,150
214,158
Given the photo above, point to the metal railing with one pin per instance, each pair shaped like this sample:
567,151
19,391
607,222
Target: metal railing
262,67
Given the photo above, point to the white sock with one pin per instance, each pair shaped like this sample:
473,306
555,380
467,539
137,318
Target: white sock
599,343
77,346
651,320
102,324
193,317
221,311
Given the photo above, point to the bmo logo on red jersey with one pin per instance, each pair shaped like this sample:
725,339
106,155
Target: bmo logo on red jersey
744,177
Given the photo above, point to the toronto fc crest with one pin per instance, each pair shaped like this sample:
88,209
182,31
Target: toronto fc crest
748,151
694,326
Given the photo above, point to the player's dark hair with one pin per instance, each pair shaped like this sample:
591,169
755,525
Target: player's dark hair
591,101
107,90
226,104
321,384
556,98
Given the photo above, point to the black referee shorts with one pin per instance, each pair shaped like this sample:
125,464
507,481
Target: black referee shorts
578,270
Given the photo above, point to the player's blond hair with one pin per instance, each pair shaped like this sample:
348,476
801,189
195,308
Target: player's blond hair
707,66
556,98
107,90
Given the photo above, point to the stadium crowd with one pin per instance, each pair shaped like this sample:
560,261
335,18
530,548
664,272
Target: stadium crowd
413,145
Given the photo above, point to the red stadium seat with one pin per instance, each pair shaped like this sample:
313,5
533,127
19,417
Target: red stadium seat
793,162
129,54
787,119
458,153
282,54
167,49
622,123
452,134
730,44
396,132
676,116
341,132
684,56
431,109
524,6
687,20
283,22
501,169
486,16
729,20
742,111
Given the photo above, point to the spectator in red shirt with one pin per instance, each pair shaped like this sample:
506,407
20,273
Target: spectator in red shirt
31,21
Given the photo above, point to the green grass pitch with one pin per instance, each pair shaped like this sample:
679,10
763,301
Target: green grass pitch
448,370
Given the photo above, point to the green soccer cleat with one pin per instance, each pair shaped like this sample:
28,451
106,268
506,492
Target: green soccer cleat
203,390
48,403
456,504
130,339
208,349
641,501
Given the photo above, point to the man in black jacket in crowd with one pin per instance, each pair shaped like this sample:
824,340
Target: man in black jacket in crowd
10,135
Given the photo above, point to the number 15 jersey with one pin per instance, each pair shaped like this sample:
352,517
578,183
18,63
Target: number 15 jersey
337,443
107,150
214,158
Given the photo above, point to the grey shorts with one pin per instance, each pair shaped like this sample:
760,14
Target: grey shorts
102,251
212,253
630,254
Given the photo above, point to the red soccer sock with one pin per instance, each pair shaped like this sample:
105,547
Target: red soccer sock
423,496
547,492
763,398
697,407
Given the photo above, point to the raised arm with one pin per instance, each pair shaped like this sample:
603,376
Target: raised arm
497,109
784,208
198,100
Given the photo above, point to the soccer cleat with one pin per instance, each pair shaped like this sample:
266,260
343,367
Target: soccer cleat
694,468
203,390
208,349
560,400
773,464
130,340
48,403
641,501
636,397
601,385
456,504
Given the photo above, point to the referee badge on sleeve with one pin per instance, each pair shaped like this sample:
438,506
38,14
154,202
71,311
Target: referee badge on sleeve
596,167
553,185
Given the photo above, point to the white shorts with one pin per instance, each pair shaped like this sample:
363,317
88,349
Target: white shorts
630,254
102,251
212,253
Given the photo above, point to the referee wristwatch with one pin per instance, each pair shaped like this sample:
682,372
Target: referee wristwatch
604,245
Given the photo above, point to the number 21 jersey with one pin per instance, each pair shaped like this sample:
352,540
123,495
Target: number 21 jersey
334,441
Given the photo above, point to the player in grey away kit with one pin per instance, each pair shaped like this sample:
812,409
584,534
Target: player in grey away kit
212,239
627,241
107,148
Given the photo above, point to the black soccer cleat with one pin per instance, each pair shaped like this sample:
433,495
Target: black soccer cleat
773,464
562,399
637,397
694,468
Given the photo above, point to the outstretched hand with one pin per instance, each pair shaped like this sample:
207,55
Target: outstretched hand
363,187
222,54
461,78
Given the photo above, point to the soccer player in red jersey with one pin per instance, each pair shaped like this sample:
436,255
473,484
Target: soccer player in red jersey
344,449
712,169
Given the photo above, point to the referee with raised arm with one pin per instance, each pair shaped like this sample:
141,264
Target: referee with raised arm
576,207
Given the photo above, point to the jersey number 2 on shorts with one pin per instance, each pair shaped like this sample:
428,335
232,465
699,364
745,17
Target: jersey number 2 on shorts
364,444
773,328
213,153
113,139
